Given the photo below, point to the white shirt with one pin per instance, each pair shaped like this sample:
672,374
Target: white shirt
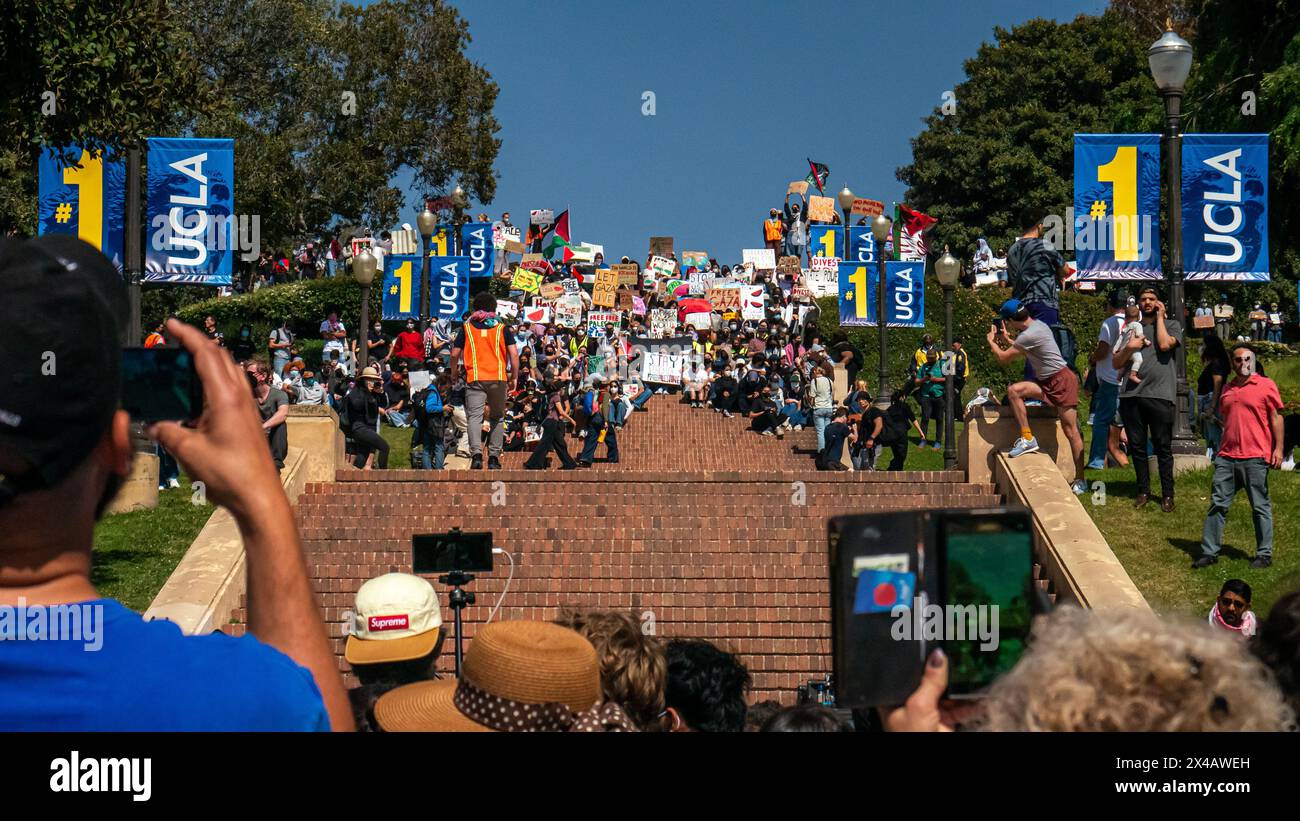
1110,331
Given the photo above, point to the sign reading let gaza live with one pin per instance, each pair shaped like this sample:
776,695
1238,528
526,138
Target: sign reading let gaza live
1225,207
191,208
476,243
86,199
1117,205
904,294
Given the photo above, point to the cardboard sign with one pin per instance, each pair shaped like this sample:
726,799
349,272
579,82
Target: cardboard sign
663,320
662,267
788,265
661,246
526,281
507,308
568,311
867,208
825,264
724,299
603,292
695,259
802,293
541,216
800,187
515,247
821,209
625,300
537,315
628,273
551,290
761,259
1202,322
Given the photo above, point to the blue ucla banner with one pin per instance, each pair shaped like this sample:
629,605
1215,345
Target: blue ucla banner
191,208
86,199
449,287
476,243
1117,206
1225,207
904,294
825,240
862,244
441,243
401,286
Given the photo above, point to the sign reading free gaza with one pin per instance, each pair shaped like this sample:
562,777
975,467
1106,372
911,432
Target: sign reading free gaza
191,207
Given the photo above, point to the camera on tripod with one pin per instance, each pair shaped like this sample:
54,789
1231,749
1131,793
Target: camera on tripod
456,556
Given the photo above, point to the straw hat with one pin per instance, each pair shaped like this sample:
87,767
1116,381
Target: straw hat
370,373
517,675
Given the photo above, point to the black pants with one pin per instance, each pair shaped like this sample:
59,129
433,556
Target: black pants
932,407
278,438
368,440
1150,419
769,420
552,437
725,402
899,450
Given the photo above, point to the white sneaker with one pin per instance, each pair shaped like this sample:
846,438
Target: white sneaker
1209,453
1289,464
173,483
1079,487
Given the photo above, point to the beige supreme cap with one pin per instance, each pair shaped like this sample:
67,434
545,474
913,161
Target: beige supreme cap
397,618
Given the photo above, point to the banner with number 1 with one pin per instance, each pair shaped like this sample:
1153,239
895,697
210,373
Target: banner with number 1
1117,206
86,199
401,286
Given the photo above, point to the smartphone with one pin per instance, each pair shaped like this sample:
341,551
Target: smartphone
160,384
447,552
986,588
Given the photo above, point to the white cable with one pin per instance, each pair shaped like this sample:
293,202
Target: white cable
505,589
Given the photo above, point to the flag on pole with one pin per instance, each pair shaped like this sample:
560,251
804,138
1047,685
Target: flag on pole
818,175
560,237
911,243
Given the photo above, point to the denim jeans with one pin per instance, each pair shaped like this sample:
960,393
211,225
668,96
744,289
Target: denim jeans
398,419
1275,335
794,414
437,444
821,418
1105,404
1210,430
643,397
167,467
617,411
1230,476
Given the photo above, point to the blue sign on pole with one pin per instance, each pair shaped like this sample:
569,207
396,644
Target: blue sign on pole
904,294
1225,207
401,286
862,244
1117,206
86,199
476,243
191,209
449,287
826,240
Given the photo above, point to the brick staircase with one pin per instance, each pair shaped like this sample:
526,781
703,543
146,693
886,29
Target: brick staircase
705,529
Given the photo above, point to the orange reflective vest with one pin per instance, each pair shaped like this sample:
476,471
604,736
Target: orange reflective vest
771,229
485,354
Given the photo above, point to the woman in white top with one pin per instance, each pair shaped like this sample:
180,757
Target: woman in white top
697,382
821,391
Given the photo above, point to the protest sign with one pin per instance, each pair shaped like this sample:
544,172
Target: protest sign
638,306
502,236
800,187
762,259
788,265
662,360
697,283
537,315
662,267
822,283
671,285
753,301
526,281
541,216
568,311
515,247
570,285
867,208
507,308
825,264
821,209
625,300
597,320
419,380
663,320
628,273
695,259
661,246
550,290
724,299
602,293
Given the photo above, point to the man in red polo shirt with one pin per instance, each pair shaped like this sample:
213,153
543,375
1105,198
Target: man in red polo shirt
1252,443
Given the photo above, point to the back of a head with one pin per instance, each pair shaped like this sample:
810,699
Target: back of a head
633,669
706,686
1278,645
1032,217
804,718
484,301
1133,672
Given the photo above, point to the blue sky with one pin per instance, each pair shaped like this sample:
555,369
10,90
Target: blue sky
744,93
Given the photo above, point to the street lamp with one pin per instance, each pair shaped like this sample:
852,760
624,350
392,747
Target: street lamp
948,269
427,222
846,205
881,228
458,203
364,266
1170,59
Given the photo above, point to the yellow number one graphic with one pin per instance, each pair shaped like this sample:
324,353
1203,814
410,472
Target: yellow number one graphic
1121,173
89,179
403,274
440,244
859,280
828,244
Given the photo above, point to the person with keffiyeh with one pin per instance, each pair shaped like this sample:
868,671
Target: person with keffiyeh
1231,611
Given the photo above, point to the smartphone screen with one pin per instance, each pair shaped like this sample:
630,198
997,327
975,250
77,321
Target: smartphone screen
160,384
445,552
987,589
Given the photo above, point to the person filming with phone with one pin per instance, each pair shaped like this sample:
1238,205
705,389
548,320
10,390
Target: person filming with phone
65,450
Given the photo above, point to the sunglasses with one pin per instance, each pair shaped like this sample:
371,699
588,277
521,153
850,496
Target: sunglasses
1241,359
1234,604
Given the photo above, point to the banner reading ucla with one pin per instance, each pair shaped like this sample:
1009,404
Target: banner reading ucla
476,243
448,287
825,240
401,286
862,244
191,211
1225,207
86,199
1117,206
904,294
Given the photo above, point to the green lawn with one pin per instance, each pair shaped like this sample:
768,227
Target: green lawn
136,552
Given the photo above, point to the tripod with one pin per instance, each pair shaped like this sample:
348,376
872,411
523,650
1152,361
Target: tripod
458,600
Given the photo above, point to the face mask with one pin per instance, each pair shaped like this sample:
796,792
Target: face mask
1247,366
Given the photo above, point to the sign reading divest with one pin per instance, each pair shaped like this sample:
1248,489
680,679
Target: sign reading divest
401,286
904,294
1225,207
86,200
448,287
476,243
191,204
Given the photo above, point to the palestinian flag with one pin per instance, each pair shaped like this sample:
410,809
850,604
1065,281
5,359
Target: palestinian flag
911,243
560,237
818,175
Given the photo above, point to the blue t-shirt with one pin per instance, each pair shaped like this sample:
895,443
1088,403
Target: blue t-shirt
130,674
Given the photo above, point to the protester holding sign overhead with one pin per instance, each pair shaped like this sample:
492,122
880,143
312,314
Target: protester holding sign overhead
796,229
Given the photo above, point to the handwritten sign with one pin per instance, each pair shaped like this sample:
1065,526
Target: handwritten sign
826,264
788,265
507,308
597,320
502,236
821,209
800,187
515,247
662,267
628,273
867,208
602,293
638,306
625,300
822,283
551,290
724,299
661,246
568,311
761,259
663,320
541,216
695,259
526,281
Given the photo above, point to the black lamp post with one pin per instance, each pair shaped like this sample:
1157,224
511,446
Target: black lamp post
364,266
881,227
1170,59
458,204
427,222
948,269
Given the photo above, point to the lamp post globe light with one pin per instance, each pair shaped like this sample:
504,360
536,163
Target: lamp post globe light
458,203
948,269
881,228
1170,60
427,222
845,198
364,267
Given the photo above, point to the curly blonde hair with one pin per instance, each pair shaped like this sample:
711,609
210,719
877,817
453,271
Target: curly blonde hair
633,669
1133,672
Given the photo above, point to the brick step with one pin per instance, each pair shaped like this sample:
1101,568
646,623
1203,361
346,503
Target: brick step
630,474
615,515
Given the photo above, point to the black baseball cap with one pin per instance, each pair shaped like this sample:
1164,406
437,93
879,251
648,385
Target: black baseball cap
61,329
